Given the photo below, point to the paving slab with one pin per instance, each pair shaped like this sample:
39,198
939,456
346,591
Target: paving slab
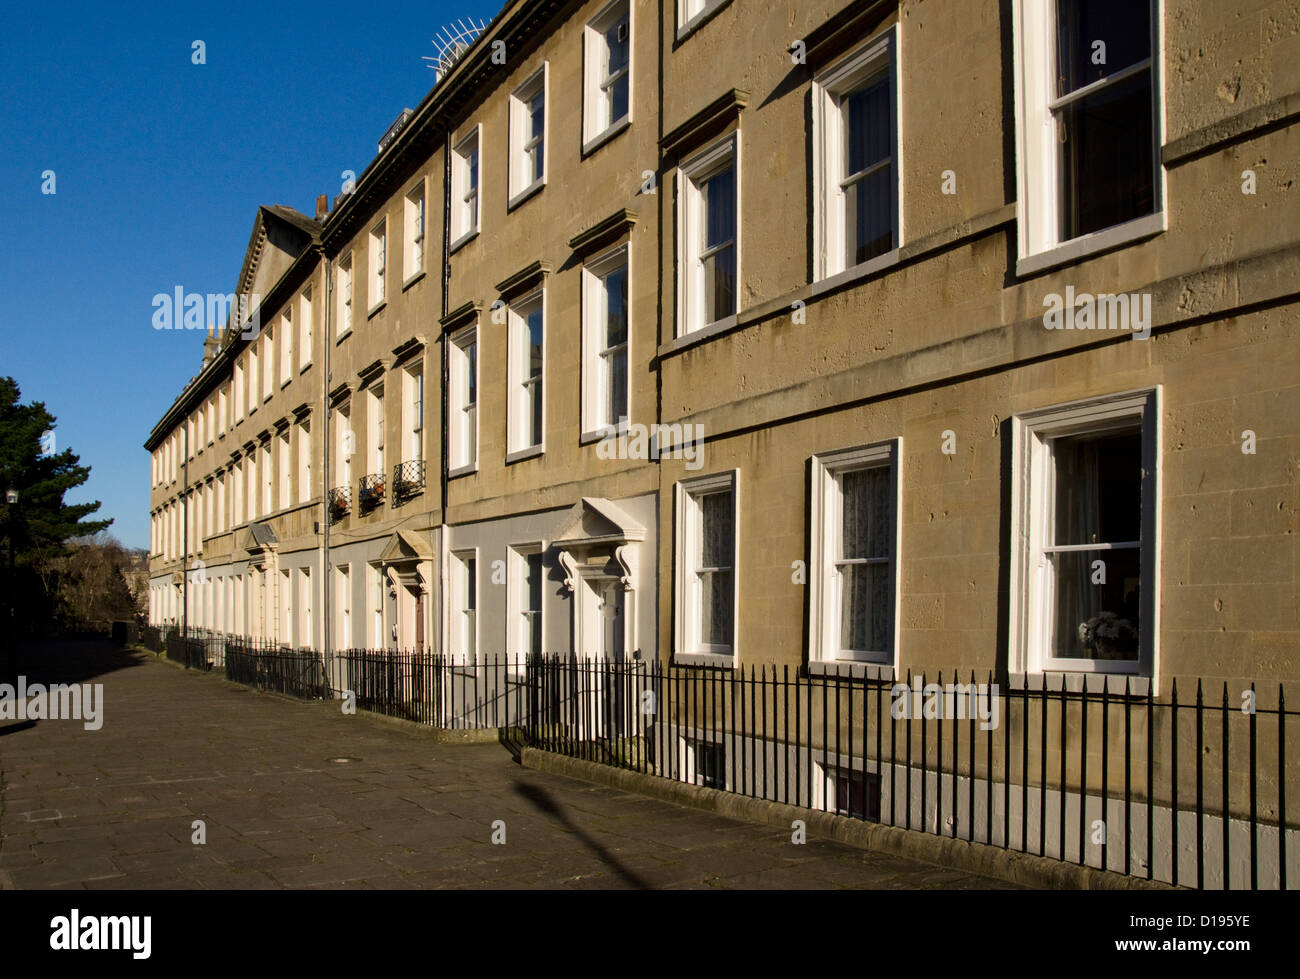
116,807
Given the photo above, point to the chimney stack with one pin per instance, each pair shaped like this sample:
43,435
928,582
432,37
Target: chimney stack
322,207
210,347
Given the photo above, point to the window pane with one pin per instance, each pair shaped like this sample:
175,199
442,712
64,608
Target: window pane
866,116
471,583
865,513
1107,162
718,200
1098,488
616,50
471,361
616,307
715,607
1123,28
869,216
866,607
617,387
716,544
534,343
720,284
1096,621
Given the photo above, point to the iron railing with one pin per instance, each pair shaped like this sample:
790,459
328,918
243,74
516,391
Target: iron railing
340,502
370,491
443,692
267,665
408,480
1188,788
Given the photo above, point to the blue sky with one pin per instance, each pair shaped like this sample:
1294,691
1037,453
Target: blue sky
160,165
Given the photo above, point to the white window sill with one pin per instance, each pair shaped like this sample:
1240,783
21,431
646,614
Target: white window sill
604,432
1099,241
304,368
463,240
860,271
376,308
343,336
413,280
700,335
605,135
711,7
523,195
284,383
1074,682
463,470
521,454
851,669
724,660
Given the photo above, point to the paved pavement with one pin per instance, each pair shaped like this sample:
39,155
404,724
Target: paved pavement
301,796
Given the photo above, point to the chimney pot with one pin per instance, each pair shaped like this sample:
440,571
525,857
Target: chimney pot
322,207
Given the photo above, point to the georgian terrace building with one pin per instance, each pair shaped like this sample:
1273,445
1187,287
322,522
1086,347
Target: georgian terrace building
863,251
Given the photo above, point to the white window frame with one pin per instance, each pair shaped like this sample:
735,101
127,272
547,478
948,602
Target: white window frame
268,484
238,392
465,218
517,560
304,460
691,13
1030,619
830,220
343,598
375,434
460,650
304,608
824,527
268,363
284,462
345,299
285,636
345,439
517,317
415,222
377,263
413,413
595,376
286,346
304,328
687,645
1037,161
690,271
523,182
463,443
596,104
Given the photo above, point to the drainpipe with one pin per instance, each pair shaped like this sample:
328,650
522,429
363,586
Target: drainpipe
442,343
326,578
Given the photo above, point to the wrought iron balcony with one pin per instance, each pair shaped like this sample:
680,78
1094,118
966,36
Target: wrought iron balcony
408,480
340,503
372,491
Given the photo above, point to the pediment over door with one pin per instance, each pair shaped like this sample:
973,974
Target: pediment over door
403,546
598,532
258,540
403,555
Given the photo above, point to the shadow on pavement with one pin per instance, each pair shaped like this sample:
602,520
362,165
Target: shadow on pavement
70,660
540,798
